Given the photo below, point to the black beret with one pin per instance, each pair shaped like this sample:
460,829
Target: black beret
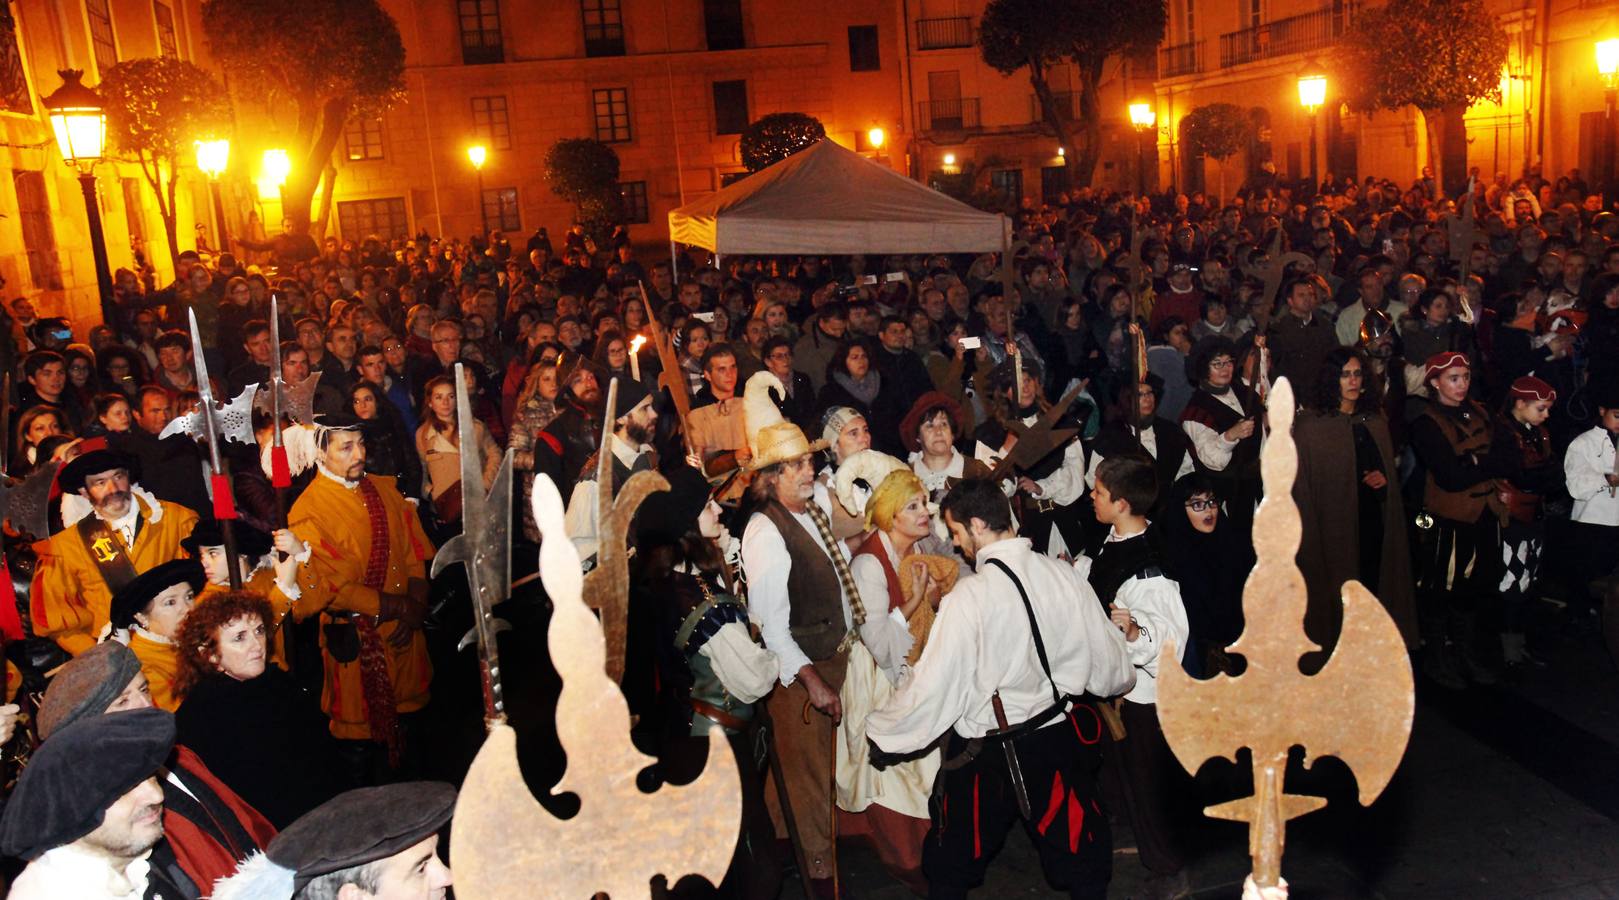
666,516
71,477
138,594
630,393
83,769
250,542
1605,393
361,826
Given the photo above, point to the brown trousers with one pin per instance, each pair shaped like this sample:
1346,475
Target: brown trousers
807,757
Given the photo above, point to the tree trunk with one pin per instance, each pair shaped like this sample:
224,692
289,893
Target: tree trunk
329,179
1447,147
153,170
1054,117
1222,198
1082,165
319,128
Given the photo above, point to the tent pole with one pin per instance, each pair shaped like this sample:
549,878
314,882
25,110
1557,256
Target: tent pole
1006,269
674,263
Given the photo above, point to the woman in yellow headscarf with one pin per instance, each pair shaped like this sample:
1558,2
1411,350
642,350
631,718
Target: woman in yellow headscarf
892,578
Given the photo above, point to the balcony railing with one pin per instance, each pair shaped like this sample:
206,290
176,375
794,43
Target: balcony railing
948,115
1182,59
942,34
1295,34
1067,106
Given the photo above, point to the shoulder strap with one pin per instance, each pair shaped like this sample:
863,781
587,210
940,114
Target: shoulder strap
107,552
1034,627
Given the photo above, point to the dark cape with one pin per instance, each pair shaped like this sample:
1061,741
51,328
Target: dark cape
264,740
1210,570
1328,495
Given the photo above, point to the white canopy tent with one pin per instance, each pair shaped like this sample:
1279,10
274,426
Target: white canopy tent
826,199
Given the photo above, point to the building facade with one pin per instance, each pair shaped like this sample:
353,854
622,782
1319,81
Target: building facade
1251,53
45,248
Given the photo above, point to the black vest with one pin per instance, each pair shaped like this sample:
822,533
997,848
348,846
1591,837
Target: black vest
1120,561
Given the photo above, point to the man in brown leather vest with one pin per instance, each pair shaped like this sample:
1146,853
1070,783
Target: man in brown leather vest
802,598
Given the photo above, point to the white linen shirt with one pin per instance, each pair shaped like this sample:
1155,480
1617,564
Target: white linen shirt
1213,448
767,564
1155,604
888,637
1586,466
980,644
69,871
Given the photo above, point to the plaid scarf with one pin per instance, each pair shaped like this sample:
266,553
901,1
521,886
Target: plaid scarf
377,687
840,564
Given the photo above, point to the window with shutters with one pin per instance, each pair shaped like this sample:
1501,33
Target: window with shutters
166,38
635,207
730,107
491,123
384,217
102,39
604,27
864,55
480,31
500,209
722,24
611,107
39,241
363,139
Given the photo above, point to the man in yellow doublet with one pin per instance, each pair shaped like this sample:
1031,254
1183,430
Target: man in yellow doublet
366,575
116,530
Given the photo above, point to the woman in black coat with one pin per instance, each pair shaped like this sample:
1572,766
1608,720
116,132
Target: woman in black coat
245,718
853,381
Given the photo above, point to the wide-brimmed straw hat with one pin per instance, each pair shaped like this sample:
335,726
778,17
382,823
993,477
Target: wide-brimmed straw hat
780,442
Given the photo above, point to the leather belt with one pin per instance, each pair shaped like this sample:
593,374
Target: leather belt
719,716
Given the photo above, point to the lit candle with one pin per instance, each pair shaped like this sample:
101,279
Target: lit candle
635,356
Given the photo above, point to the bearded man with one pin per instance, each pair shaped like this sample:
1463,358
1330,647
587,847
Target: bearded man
115,531
366,573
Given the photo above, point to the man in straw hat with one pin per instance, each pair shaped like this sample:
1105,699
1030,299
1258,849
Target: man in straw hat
802,596
115,531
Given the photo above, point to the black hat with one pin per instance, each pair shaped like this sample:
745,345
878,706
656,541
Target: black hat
71,477
630,393
347,831
250,542
666,516
339,421
84,768
138,594
1000,377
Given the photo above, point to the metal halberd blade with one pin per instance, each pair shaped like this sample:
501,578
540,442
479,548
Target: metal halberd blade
233,421
27,503
484,546
297,400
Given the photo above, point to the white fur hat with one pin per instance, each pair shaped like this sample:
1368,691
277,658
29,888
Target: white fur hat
859,476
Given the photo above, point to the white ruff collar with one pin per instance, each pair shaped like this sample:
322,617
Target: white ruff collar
76,507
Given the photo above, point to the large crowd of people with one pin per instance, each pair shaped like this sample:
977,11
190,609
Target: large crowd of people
932,519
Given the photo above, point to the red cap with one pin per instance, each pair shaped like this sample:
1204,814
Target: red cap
1530,389
1439,362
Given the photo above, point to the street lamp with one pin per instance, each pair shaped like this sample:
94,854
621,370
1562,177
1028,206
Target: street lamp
274,167
1608,68
1142,117
478,154
1312,94
80,124
875,138
212,158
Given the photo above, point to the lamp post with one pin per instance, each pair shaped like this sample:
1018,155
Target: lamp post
1608,68
1142,117
80,124
1312,94
212,158
478,154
